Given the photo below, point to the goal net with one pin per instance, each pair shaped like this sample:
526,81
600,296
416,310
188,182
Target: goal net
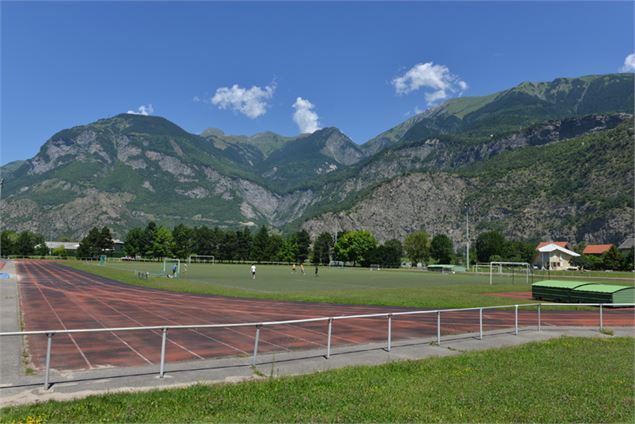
512,271
172,267
375,267
200,259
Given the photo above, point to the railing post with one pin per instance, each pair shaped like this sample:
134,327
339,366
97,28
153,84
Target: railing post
389,332
328,339
480,323
48,359
253,361
164,337
516,319
539,319
601,317
438,328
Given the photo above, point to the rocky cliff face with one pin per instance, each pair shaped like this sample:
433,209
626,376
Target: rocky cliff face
401,206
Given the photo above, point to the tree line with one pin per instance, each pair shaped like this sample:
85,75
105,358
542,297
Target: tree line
358,247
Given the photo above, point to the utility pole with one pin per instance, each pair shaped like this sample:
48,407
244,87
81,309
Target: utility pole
467,238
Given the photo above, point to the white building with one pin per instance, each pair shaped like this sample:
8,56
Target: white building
554,257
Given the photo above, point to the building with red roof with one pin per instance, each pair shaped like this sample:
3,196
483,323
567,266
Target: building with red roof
563,244
596,249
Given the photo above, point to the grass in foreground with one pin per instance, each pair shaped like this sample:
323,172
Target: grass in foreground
562,380
348,286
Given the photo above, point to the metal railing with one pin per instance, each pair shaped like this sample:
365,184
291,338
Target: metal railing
258,325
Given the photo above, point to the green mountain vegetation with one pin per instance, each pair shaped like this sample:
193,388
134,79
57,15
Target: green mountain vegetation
527,104
511,155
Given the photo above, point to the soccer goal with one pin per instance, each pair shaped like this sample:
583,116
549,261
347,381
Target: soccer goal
200,259
510,269
168,265
375,267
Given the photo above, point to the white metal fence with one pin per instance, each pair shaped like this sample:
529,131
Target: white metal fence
258,325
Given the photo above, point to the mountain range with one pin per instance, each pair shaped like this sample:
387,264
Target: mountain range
551,160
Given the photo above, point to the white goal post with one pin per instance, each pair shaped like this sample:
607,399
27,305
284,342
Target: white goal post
500,264
375,267
167,267
206,259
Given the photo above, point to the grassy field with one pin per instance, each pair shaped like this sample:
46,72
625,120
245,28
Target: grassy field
333,285
539,382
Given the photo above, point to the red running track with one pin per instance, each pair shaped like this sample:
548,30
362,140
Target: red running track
55,297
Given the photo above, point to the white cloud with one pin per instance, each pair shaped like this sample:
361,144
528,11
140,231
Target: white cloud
304,116
629,63
196,99
439,82
143,110
251,102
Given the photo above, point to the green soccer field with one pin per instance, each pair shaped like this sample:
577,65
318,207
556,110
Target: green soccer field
410,288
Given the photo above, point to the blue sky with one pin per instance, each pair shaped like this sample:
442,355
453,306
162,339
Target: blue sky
251,67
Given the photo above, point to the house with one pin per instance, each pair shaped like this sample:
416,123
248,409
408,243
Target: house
596,249
627,244
554,256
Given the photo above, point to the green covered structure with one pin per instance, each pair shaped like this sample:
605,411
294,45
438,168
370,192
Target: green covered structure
603,293
555,290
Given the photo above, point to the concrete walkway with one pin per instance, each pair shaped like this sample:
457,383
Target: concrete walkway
10,347
16,389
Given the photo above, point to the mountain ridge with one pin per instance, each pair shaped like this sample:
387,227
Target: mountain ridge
128,169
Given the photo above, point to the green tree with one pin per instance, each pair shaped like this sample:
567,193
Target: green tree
303,241
518,251
105,242
386,255
417,246
612,259
163,243
183,241
59,251
148,238
207,241
275,243
25,244
489,244
244,241
260,249
7,241
627,260
134,243
322,249
441,249
288,252
89,246
228,245
353,246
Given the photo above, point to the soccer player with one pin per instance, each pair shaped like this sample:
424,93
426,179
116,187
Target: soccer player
253,271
